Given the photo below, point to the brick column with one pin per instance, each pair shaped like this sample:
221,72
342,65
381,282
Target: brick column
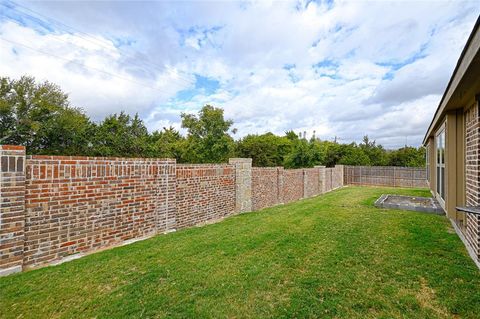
280,190
243,184
12,208
321,178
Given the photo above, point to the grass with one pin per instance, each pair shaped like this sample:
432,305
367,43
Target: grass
333,256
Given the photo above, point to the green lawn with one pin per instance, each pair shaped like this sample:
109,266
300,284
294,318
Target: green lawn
333,256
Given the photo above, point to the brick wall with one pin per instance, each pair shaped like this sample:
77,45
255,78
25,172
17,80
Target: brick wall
12,207
472,178
292,185
53,207
276,185
204,193
78,204
265,187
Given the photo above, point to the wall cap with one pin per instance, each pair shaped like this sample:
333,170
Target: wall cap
12,147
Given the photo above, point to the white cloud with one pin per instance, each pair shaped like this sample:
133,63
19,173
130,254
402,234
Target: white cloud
376,63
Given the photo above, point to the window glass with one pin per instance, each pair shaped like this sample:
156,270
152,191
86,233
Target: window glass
440,161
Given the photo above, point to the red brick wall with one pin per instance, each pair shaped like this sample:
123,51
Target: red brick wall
56,206
265,182
204,193
77,204
12,206
472,170
292,185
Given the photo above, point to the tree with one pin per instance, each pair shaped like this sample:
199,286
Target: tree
354,155
167,143
333,153
407,156
121,135
300,156
291,135
38,116
376,153
318,152
264,150
207,140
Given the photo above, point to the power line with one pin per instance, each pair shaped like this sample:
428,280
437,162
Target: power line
92,39
78,63
96,42
67,42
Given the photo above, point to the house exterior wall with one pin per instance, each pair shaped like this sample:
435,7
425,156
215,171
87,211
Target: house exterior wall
462,167
460,185
451,164
472,176
431,149
458,113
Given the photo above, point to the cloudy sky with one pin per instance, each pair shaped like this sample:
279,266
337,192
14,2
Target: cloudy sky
341,68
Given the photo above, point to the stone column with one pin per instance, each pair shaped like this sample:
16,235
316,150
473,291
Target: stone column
12,208
321,178
339,179
243,184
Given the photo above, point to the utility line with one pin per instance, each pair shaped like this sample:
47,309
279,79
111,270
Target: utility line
92,39
83,49
78,63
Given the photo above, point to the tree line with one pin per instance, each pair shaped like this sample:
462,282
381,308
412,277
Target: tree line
40,117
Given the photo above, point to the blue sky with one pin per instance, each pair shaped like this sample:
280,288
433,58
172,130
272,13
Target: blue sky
339,68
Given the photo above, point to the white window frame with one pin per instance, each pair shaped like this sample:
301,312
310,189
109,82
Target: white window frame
440,169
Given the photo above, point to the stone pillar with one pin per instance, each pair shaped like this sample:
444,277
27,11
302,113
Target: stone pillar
280,189
12,208
243,184
339,179
321,178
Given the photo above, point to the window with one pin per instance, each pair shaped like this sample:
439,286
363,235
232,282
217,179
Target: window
440,163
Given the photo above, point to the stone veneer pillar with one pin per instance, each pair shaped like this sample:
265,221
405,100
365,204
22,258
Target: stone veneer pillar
12,208
321,178
341,175
243,184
